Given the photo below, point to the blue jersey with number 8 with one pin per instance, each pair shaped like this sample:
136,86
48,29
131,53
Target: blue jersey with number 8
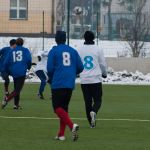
64,63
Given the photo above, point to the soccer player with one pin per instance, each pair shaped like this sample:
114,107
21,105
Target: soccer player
41,71
17,63
91,78
63,65
3,54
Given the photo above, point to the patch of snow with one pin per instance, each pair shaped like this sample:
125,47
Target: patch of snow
121,77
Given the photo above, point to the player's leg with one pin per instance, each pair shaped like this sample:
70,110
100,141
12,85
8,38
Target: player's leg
43,77
74,129
97,96
18,85
5,77
96,92
61,132
60,100
87,99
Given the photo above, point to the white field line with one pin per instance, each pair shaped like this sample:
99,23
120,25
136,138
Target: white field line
103,119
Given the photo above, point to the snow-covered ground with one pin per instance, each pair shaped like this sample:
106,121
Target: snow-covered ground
110,48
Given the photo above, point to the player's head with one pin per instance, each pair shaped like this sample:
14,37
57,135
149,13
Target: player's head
19,42
89,37
12,43
60,37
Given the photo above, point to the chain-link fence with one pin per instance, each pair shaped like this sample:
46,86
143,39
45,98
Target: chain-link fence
40,19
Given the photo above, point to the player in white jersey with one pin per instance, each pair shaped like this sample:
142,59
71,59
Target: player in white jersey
41,71
91,78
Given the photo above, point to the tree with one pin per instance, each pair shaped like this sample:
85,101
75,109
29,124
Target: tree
108,3
139,28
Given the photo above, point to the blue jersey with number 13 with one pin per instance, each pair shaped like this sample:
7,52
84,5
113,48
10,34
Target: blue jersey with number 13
18,61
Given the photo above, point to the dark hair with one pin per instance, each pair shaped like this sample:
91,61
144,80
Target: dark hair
60,37
19,41
89,37
12,42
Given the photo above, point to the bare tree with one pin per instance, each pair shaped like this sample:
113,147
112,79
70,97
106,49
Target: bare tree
139,28
108,3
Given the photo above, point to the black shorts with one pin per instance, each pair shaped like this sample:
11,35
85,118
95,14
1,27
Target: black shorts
61,98
5,76
92,91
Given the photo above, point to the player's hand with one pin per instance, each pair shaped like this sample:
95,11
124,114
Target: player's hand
104,76
39,58
33,64
77,76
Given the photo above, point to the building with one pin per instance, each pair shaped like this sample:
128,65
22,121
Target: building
27,17
35,17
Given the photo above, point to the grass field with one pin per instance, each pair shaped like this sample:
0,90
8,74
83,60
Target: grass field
124,121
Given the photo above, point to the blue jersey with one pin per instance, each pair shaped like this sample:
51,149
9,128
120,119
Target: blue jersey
18,61
63,64
3,54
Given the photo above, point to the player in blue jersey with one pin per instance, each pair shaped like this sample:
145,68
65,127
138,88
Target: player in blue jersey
3,54
63,65
17,63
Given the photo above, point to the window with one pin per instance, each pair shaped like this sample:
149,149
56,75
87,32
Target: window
18,9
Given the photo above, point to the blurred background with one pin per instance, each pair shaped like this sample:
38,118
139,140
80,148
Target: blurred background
121,27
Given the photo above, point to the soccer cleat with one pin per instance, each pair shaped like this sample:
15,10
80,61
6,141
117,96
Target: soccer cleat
40,95
75,130
4,103
17,107
93,119
60,138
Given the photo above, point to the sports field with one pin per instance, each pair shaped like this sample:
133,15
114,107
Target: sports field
123,122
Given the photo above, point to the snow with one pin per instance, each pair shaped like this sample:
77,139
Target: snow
110,48
122,78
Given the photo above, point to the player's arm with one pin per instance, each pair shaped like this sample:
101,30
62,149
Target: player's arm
29,59
1,52
80,66
50,65
6,64
45,53
33,64
102,63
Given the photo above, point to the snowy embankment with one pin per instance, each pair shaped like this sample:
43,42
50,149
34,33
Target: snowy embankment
122,77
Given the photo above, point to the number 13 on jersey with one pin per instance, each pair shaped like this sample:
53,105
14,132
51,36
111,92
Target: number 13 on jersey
17,56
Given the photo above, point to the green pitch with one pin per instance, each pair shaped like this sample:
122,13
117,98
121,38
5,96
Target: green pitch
129,106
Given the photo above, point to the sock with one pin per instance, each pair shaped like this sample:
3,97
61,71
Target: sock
12,95
62,128
63,115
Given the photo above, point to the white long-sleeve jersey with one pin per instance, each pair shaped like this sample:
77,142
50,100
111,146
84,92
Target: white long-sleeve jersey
94,64
42,65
